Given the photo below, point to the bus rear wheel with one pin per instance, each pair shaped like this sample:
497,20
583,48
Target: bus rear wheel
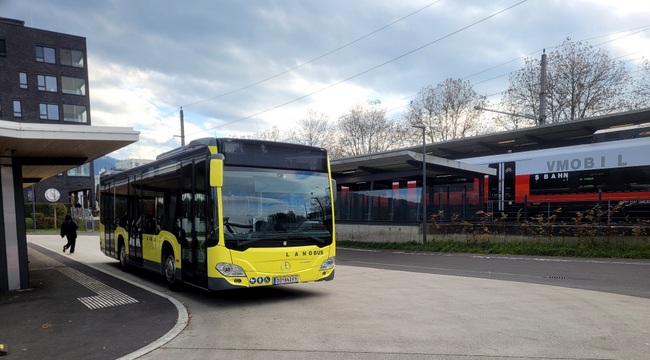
122,257
169,271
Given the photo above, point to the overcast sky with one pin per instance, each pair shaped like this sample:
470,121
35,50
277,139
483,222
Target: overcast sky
238,67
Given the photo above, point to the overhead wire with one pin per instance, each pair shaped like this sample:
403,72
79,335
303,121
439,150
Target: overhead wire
369,69
314,59
636,30
295,67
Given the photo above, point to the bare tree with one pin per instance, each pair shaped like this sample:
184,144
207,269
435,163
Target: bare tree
640,92
581,82
272,134
366,130
447,111
315,130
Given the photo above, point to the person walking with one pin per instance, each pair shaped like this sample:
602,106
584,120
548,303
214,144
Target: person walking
69,230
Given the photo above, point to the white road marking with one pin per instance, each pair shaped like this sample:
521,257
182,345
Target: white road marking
106,295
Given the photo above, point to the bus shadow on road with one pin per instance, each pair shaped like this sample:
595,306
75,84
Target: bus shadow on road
236,297
258,296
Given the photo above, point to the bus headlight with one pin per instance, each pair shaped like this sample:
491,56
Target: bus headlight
328,264
227,269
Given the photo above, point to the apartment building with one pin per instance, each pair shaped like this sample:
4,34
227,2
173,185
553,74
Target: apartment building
44,80
46,142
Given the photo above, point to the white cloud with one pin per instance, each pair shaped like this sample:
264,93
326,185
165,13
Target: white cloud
125,96
219,60
634,48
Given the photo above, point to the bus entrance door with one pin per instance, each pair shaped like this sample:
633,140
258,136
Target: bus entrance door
187,250
193,261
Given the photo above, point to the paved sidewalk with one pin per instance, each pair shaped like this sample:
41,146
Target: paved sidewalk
74,311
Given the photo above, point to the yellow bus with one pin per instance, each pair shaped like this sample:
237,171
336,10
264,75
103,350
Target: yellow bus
223,214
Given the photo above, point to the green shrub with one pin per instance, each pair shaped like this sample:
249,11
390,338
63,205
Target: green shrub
47,209
40,221
45,219
45,212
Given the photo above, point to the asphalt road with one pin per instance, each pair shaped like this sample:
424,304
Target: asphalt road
391,305
619,276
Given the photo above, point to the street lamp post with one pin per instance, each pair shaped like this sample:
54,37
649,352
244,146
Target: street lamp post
424,184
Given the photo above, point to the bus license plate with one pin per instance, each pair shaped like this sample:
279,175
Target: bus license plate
285,280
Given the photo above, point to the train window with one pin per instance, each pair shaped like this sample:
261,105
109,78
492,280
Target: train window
636,178
553,183
592,181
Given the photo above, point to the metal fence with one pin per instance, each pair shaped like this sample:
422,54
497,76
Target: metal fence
405,207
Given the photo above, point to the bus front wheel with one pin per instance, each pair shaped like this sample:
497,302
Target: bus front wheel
169,271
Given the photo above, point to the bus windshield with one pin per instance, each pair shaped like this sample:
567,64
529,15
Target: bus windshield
275,208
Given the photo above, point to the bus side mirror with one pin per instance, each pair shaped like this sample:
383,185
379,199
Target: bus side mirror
216,170
334,193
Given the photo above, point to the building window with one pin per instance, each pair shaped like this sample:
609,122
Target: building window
18,109
45,54
74,86
72,58
47,83
75,113
22,78
83,170
3,47
49,111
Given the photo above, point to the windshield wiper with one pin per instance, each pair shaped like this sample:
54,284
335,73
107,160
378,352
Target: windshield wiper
316,238
255,237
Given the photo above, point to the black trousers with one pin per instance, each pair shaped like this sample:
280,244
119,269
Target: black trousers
72,241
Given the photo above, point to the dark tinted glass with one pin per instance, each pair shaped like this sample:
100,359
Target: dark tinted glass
273,155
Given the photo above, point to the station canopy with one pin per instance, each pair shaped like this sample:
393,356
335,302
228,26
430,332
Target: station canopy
46,150
445,158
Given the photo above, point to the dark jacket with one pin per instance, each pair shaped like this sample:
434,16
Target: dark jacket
69,229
